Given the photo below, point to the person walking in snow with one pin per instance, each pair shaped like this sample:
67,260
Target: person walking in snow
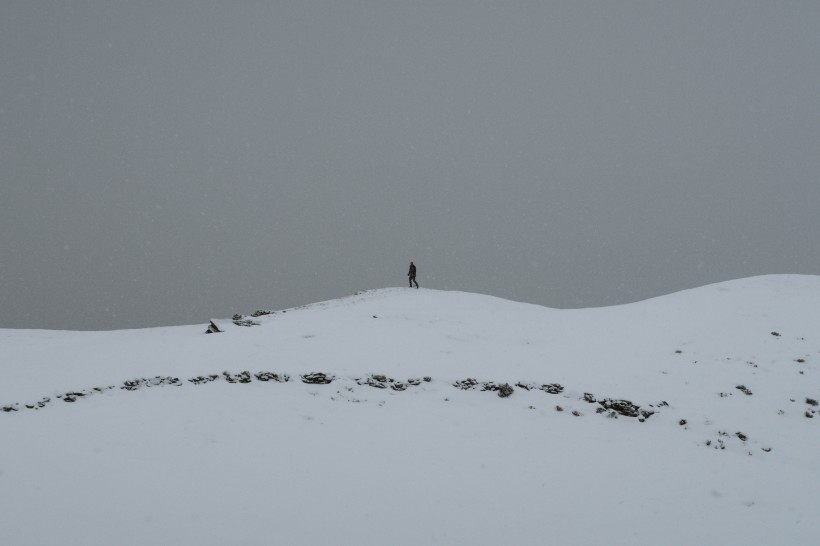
412,275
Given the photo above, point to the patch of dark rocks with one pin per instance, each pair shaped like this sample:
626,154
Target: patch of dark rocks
377,381
718,445
504,390
317,378
40,404
744,389
622,407
201,379
551,388
72,396
613,407
241,377
380,381
239,320
466,384
270,376
157,381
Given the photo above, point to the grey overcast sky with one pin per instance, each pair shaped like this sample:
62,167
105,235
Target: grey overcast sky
165,162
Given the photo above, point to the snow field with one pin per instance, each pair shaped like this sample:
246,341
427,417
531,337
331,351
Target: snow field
347,463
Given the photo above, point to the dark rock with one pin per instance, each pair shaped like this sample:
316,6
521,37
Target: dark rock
776,334
245,322
559,408
744,390
622,407
242,377
811,401
552,388
269,376
589,398
466,384
682,422
202,379
212,328
261,313
379,381
505,390
317,378
742,436
132,384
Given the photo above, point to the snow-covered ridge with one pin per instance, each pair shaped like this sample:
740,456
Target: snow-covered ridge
702,401
399,331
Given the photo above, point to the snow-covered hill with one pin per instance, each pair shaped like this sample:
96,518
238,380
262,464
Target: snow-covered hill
449,418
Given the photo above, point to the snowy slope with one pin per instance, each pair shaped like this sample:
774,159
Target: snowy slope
267,462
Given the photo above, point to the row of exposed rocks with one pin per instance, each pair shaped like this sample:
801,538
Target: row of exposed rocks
378,381
610,406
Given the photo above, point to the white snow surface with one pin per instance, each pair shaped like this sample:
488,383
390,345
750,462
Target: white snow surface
292,463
